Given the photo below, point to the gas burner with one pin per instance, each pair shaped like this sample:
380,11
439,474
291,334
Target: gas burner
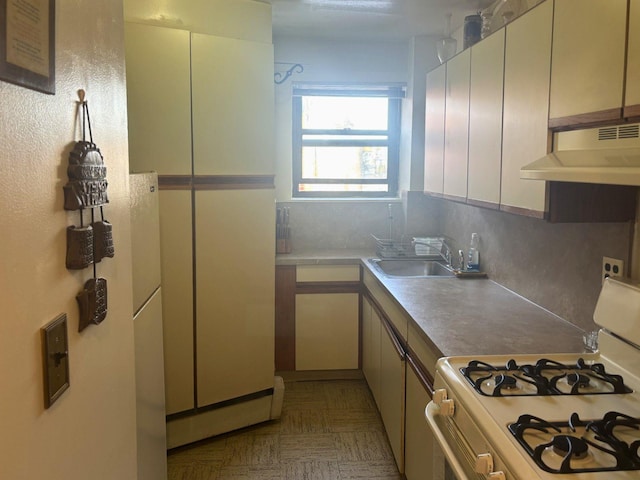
506,381
568,445
578,379
545,377
607,444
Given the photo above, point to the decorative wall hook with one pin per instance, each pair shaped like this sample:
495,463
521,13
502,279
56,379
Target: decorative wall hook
280,78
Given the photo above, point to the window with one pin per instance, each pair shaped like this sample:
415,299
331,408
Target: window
346,141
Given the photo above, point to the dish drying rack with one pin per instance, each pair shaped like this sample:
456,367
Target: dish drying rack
418,247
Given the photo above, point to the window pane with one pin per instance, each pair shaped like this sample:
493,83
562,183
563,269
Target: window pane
340,187
342,138
344,162
361,113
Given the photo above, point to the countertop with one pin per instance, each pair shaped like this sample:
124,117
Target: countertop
320,257
465,317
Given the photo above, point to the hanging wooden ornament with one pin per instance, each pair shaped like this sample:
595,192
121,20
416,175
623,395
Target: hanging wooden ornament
87,185
88,244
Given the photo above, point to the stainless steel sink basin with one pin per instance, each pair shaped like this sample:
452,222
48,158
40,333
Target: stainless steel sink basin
411,267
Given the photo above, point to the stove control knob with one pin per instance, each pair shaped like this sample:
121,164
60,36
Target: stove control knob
484,464
496,476
447,407
439,396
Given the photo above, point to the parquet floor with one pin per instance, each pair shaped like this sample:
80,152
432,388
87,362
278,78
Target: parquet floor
329,430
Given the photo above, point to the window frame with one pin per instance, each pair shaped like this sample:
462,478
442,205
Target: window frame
394,95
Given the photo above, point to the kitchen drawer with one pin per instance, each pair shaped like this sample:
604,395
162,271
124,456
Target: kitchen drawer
328,273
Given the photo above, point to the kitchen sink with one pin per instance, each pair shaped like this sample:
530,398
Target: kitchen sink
411,267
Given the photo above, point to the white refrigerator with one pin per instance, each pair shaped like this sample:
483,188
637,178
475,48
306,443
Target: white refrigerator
147,320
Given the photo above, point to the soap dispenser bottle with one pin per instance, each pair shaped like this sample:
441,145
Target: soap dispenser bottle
473,262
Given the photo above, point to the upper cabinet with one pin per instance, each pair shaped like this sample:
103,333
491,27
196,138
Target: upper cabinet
485,121
434,130
159,99
564,64
588,62
632,97
174,78
526,98
232,83
456,144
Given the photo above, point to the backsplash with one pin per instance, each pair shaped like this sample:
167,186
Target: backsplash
556,266
342,224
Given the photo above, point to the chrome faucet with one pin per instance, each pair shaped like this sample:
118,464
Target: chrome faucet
444,251
461,260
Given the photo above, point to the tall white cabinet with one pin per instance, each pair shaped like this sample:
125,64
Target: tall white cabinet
457,126
525,133
201,115
434,130
485,121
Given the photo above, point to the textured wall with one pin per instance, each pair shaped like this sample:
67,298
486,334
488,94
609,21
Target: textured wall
557,266
347,224
90,432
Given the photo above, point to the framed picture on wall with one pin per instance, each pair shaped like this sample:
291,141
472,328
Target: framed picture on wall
27,43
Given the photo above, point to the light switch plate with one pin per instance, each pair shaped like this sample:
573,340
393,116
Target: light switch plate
55,359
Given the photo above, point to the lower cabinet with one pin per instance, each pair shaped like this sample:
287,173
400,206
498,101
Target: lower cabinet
383,365
371,347
326,331
317,312
421,453
392,385
396,370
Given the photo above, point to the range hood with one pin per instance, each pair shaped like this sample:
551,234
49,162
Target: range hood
605,155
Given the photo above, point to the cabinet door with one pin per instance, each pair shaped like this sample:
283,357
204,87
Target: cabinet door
588,59
422,456
327,331
150,410
392,384
434,130
177,298
235,272
456,145
485,120
371,348
525,133
159,99
233,102
632,97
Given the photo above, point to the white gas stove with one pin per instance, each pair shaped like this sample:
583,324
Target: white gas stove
559,417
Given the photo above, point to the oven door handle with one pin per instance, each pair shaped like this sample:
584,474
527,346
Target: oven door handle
430,413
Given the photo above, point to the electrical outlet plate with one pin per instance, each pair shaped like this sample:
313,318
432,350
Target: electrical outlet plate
612,267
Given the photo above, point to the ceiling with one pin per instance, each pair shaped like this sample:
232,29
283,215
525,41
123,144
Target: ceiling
369,19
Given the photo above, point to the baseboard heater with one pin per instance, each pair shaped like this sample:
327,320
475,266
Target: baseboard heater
205,422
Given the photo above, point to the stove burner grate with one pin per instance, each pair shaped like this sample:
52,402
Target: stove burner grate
545,377
572,442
